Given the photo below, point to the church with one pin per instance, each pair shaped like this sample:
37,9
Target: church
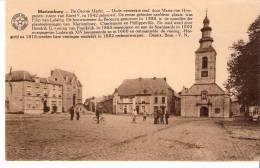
205,98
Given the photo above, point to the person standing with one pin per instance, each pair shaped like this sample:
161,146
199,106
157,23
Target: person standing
144,115
155,117
167,115
134,114
97,115
71,113
77,113
161,117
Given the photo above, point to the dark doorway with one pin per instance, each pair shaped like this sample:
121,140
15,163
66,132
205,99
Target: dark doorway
137,109
45,106
125,110
204,112
74,99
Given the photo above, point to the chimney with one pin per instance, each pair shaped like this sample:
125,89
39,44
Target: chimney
164,79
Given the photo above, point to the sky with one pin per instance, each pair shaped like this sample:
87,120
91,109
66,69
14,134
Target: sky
102,64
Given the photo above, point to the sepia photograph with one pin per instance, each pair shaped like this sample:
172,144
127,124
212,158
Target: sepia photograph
131,80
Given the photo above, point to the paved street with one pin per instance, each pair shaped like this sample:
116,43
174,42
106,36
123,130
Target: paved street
55,137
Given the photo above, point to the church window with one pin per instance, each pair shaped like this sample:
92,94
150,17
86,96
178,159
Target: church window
204,95
204,74
204,62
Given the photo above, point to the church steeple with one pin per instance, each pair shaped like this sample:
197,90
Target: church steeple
205,56
206,40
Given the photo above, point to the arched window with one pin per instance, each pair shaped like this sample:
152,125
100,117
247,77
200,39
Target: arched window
205,62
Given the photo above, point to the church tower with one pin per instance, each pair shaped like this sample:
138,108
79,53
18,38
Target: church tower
205,98
205,61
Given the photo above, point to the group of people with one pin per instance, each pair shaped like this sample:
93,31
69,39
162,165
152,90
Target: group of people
159,117
74,110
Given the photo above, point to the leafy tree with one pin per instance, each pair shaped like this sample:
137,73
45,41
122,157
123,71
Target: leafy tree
243,67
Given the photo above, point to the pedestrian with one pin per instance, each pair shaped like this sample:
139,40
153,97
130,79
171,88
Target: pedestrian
162,117
97,114
134,114
77,113
71,113
167,115
155,115
144,116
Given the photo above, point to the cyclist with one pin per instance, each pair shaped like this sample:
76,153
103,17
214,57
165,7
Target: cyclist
98,113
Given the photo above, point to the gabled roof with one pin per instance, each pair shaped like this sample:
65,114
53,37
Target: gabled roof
19,76
151,86
68,77
196,89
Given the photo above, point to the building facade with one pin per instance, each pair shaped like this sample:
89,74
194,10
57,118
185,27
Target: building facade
26,93
205,98
106,104
145,95
72,88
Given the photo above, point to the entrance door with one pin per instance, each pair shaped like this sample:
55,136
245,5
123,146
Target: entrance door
137,109
204,112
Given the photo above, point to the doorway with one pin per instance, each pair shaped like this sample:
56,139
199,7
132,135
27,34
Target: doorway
204,111
125,110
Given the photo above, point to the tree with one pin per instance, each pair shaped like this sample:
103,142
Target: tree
243,67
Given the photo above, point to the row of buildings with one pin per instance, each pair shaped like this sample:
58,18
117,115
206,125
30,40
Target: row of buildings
27,93
203,99
62,90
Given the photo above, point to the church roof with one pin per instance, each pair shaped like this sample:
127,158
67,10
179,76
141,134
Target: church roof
195,90
150,86
206,20
208,49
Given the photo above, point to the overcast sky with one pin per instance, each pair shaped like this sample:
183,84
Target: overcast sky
102,64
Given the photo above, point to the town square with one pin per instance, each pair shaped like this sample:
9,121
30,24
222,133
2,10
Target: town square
174,98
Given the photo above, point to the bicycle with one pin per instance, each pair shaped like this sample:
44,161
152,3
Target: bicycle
101,119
